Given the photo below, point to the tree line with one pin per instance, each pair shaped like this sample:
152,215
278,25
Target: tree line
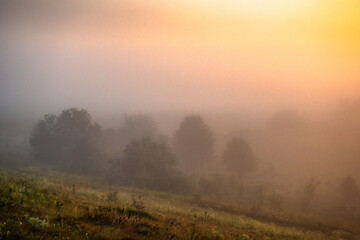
135,154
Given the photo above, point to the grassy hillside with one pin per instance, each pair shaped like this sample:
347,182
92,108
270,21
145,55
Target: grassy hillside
60,206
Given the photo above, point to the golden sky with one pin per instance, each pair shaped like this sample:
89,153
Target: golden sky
255,53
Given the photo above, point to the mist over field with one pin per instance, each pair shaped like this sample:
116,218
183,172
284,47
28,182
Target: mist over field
252,106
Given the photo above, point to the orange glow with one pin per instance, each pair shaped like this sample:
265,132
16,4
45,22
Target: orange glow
285,51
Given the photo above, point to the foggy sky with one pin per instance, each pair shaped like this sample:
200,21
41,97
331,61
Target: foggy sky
112,57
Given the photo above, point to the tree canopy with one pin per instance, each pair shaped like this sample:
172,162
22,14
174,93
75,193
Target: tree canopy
194,143
238,157
67,140
150,165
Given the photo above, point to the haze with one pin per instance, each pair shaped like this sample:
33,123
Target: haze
226,115
179,55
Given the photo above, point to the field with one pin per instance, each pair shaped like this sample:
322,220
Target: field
61,206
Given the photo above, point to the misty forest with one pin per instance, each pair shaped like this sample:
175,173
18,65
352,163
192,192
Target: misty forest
223,120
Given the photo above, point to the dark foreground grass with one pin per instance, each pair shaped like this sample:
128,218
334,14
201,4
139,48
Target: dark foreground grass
40,208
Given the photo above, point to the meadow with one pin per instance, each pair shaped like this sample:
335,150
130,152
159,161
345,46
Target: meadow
52,205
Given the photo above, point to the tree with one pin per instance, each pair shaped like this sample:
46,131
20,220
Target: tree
309,193
43,140
135,126
68,140
238,157
138,126
150,165
194,143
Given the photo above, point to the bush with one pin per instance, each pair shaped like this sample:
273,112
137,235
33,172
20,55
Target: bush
112,196
37,223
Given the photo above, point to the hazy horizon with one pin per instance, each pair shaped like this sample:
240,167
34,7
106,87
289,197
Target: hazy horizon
179,56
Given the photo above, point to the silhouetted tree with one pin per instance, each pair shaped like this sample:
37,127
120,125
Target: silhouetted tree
111,144
69,140
238,157
150,165
194,143
138,126
134,126
44,140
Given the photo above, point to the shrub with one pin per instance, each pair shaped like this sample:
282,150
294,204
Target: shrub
137,202
37,223
112,196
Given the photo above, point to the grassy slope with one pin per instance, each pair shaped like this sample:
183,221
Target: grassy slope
51,208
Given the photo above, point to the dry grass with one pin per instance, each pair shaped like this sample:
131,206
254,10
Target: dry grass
52,207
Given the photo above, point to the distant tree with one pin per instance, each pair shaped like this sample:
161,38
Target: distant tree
309,193
238,157
135,126
287,120
194,143
138,126
44,140
78,136
349,190
111,144
150,165
68,140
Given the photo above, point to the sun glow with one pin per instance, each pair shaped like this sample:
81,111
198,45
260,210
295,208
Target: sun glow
263,49
259,8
